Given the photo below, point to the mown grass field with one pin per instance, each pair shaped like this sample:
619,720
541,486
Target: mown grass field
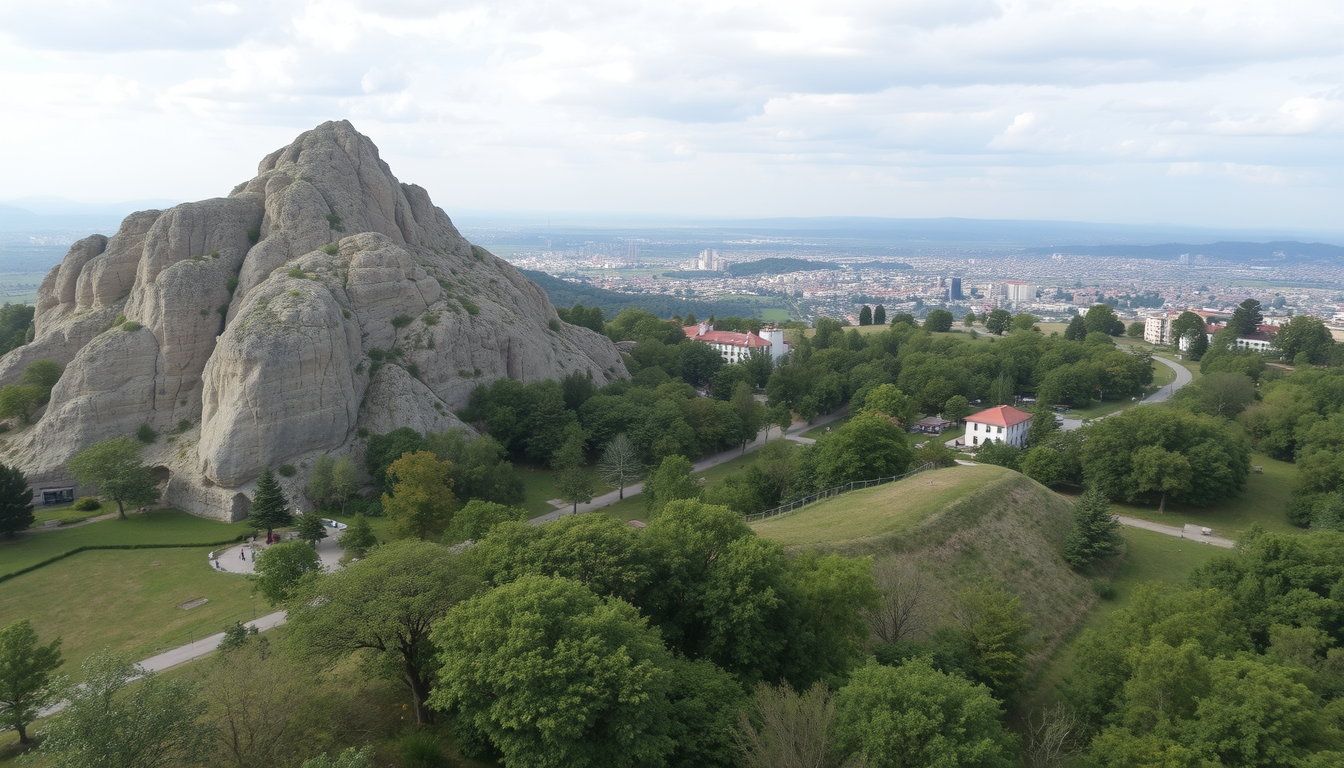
127,600
880,511
162,526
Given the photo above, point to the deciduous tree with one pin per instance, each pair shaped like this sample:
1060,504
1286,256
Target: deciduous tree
1077,329
108,722
555,677
385,605
938,321
422,500
998,322
790,729
25,676
620,465
866,448
671,481
358,538
1304,335
914,716
115,467
280,568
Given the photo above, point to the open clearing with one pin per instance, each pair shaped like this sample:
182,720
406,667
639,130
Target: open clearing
878,511
127,600
156,527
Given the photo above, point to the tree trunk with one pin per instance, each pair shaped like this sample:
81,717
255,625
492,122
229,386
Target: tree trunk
622,492
121,510
419,693
23,733
1162,505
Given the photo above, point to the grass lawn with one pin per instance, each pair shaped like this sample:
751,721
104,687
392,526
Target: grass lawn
64,512
877,511
127,600
775,315
538,488
1263,502
160,526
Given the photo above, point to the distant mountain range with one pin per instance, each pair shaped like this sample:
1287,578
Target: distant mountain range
1277,252
56,214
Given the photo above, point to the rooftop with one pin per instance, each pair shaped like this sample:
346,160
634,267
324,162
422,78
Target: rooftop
1000,416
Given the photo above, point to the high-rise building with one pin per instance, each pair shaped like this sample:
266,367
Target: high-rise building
709,260
954,290
1019,291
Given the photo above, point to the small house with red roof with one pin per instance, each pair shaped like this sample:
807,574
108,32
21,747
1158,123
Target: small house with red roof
735,347
1003,423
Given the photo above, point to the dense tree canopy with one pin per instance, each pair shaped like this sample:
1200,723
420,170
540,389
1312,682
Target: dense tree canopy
25,676
116,468
1161,451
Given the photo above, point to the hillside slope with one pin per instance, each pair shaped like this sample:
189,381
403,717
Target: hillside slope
960,526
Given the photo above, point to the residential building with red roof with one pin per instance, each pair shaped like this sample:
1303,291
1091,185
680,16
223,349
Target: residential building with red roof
1002,423
735,347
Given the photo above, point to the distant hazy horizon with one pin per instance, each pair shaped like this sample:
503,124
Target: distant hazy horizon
1195,112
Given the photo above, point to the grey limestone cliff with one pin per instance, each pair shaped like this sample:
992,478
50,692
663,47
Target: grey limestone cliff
319,301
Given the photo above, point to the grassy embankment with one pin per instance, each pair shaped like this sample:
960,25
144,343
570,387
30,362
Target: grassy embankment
963,526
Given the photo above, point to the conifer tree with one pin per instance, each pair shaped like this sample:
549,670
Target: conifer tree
358,538
16,501
879,315
866,315
312,529
1077,330
1095,533
270,508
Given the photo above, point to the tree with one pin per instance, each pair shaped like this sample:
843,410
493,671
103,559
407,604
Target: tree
385,605
969,320
1095,532
319,487
1218,394
1304,335
358,537
19,401
115,467
620,465
1157,470
1024,322
750,413
312,529
258,702
280,567
1246,318
938,321
1135,329
1199,346
995,628
422,500
16,501
866,448
879,315
790,730
573,483
108,722
270,508
903,610
1185,326
25,676
1077,330
887,400
554,676
670,482
43,373
1044,464
1043,423
913,716
344,480
956,408
1100,318
16,321
998,322
865,316
780,416
902,318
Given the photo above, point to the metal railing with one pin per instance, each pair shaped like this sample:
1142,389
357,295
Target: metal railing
835,491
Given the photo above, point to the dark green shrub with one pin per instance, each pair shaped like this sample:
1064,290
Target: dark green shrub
362,432
146,434
414,370
401,321
330,250
431,318
554,325
377,355
296,272
88,503
287,470
254,235
370,507
184,425
421,750
468,305
334,222
232,285
1104,588
130,326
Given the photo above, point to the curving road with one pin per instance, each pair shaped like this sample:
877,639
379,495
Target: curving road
1183,377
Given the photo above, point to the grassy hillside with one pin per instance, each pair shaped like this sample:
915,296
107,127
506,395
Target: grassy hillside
961,526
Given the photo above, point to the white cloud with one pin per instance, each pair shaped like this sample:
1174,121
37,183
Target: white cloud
789,106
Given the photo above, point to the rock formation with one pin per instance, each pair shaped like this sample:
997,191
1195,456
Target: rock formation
319,302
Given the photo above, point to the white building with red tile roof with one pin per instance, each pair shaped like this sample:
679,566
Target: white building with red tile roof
735,347
1003,423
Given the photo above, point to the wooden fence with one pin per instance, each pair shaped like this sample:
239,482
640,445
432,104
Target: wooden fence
836,491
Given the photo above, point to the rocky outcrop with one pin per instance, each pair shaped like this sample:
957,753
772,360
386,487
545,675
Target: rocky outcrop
319,301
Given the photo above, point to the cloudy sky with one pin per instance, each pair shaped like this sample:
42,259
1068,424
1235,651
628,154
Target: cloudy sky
1216,113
